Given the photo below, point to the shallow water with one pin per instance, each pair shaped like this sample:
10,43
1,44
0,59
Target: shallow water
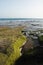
31,23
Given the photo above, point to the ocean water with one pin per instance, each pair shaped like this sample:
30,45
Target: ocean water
32,23
37,25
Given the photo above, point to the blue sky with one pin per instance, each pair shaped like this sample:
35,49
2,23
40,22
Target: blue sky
21,8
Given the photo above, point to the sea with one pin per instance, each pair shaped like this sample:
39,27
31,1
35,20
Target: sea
30,23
